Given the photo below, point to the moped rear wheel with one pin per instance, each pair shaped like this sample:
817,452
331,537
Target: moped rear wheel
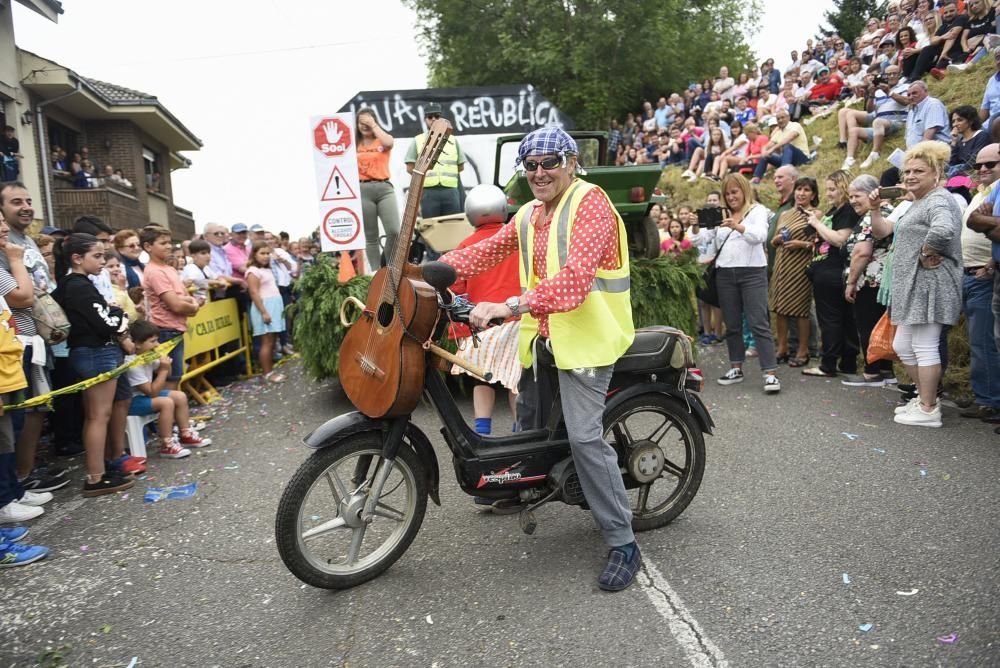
663,454
321,534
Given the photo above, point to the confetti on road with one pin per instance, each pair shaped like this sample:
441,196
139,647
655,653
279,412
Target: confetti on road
850,437
879,450
847,579
429,620
948,639
865,628
912,592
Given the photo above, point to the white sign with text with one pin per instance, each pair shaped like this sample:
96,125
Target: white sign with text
338,189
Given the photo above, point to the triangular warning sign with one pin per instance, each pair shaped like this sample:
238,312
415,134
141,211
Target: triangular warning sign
337,187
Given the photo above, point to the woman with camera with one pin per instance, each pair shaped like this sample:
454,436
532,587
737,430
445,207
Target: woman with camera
741,274
868,255
925,275
790,295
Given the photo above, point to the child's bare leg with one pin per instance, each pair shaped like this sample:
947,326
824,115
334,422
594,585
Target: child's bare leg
182,413
165,407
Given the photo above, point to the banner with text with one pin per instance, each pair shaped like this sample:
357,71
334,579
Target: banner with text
216,324
338,189
484,110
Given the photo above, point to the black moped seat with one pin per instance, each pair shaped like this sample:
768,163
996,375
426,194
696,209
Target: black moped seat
654,348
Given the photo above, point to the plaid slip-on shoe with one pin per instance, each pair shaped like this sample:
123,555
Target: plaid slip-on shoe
620,571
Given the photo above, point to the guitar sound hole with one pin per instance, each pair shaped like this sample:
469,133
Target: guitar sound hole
385,314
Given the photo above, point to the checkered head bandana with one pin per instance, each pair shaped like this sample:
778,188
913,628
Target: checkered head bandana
545,141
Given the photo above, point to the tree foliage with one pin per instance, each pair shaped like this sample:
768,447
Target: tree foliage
663,291
592,58
848,17
318,330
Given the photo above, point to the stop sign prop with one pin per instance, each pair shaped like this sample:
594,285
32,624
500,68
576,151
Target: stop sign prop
337,182
332,137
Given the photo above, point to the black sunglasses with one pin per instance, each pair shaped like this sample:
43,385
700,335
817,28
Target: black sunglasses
433,117
545,163
988,165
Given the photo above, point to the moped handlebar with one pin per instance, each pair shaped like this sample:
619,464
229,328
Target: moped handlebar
458,309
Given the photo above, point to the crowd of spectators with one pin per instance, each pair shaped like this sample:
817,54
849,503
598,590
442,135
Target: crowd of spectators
874,84
122,295
838,252
83,173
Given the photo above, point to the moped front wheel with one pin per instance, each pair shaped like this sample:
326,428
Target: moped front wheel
322,530
663,454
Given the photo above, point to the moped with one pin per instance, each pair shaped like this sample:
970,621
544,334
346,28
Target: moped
356,504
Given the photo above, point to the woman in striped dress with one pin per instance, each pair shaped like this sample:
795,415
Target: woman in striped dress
791,292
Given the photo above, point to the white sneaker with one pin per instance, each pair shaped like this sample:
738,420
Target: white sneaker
870,160
958,67
688,174
734,375
772,384
35,498
899,410
918,417
15,512
847,164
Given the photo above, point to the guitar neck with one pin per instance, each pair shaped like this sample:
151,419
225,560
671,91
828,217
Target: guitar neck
401,252
436,137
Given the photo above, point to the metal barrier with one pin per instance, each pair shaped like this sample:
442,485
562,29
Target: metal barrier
217,325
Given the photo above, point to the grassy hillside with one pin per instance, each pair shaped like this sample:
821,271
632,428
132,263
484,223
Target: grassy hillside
956,89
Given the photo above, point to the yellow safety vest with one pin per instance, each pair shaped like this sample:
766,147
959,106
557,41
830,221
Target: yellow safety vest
444,172
600,330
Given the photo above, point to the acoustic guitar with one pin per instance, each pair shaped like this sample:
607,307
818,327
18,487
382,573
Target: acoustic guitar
382,359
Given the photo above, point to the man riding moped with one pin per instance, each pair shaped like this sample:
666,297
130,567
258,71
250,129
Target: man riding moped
575,307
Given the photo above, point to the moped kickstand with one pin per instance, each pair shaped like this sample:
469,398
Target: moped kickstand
526,518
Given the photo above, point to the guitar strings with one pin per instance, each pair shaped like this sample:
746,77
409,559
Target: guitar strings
399,257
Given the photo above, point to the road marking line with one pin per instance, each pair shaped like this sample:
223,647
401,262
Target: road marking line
699,650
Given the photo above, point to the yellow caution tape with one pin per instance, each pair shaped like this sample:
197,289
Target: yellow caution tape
145,358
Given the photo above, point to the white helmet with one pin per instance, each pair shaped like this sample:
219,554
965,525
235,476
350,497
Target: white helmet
486,204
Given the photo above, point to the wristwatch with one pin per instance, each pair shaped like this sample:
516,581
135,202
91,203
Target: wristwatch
514,304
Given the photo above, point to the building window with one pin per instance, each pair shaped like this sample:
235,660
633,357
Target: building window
151,162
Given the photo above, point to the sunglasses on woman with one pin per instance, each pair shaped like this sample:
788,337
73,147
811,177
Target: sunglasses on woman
545,163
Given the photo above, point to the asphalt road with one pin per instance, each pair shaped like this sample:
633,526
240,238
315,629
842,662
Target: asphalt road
800,536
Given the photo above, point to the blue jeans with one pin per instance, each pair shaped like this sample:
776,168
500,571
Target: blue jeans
176,355
789,156
977,296
692,145
10,488
89,361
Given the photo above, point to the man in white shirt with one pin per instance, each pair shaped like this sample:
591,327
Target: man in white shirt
724,84
886,115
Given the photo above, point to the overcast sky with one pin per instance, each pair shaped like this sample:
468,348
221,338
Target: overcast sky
245,77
